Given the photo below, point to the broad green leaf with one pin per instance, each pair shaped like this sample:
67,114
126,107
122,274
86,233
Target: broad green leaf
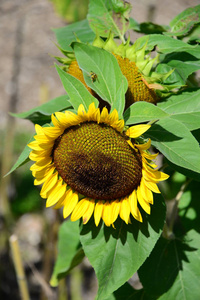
184,108
166,44
183,64
70,33
133,24
42,114
107,17
127,292
143,112
184,171
184,22
110,84
149,28
23,158
189,208
172,269
116,254
176,142
76,90
69,252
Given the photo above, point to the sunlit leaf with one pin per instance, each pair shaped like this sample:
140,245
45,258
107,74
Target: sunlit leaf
172,270
110,84
184,108
42,114
175,141
76,90
117,253
109,16
185,21
68,34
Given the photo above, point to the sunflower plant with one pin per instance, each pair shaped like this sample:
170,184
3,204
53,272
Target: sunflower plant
119,147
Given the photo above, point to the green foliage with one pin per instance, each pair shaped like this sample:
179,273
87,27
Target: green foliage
116,254
76,90
70,254
109,16
168,265
172,270
110,84
68,34
42,114
184,22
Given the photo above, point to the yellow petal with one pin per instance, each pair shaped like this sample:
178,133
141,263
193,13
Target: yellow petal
149,156
152,186
81,111
119,125
80,209
113,117
39,129
115,208
125,210
144,146
62,118
56,194
146,206
45,177
49,184
53,132
106,214
70,203
55,121
146,193
98,211
137,130
104,116
87,215
73,119
133,203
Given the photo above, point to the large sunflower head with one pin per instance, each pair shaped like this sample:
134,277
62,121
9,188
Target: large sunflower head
144,84
89,164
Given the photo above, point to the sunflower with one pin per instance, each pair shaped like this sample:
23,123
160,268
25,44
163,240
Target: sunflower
144,84
90,163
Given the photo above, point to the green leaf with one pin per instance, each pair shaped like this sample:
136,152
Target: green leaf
182,63
42,114
149,28
127,292
176,142
184,22
189,208
109,16
76,90
184,171
68,34
69,252
184,108
173,269
23,158
166,44
110,84
133,24
116,254
142,112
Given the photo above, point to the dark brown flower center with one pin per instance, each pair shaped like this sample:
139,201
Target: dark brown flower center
96,161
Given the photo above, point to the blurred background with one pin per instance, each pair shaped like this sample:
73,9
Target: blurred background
28,79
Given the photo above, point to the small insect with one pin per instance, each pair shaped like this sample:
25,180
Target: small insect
93,76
